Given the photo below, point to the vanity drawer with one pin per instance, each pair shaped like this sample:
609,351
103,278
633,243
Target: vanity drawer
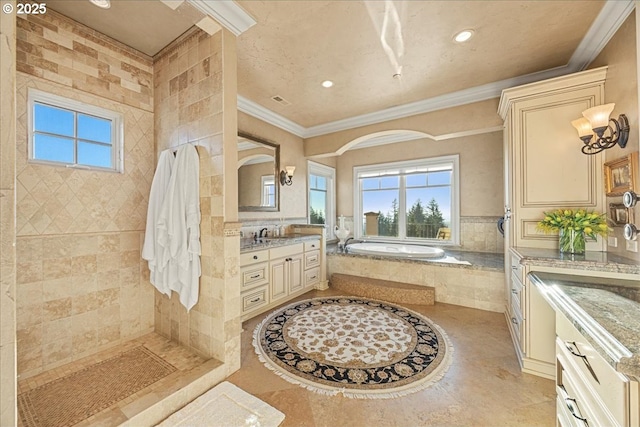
517,292
311,277
285,251
254,257
607,385
517,269
251,300
312,245
576,401
311,259
517,326
255,275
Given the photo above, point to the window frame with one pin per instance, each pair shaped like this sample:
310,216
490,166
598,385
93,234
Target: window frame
265,182
453,159
328,172
77,107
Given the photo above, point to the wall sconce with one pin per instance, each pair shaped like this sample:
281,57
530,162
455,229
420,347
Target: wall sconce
596,120
286,176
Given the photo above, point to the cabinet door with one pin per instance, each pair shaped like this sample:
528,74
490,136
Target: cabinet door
295,273
278,284
550,171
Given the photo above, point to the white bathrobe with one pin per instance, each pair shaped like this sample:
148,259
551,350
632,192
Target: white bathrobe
151,250
179,226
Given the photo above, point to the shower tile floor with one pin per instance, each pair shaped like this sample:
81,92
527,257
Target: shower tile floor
189,367
483,387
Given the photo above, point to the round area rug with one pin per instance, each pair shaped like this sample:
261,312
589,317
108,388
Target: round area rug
359,347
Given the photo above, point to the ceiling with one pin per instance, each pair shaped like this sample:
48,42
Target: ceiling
360,46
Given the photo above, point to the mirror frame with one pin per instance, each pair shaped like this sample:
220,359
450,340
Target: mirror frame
276,176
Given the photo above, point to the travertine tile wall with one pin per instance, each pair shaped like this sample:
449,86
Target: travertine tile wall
8,415
469,287
193,94
82,285
59,49
480,234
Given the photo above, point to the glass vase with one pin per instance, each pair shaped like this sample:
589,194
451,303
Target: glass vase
571,241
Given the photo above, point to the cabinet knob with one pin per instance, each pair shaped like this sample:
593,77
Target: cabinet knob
255,277
255,300
514,267
514,291
255,257
514,320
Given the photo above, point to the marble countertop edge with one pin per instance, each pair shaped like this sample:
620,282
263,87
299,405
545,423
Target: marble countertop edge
610,347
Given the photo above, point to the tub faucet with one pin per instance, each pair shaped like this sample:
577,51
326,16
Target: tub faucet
346,242
264,230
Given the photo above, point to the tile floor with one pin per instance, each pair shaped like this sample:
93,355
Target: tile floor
483,387
190,366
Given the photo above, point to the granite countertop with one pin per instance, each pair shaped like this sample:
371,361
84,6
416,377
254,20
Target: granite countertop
452,258
596,261
248,244
606,311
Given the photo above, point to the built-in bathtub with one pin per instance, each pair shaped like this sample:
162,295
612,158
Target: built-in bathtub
395,250
470,279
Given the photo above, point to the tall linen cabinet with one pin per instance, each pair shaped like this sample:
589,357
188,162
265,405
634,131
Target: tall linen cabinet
544,170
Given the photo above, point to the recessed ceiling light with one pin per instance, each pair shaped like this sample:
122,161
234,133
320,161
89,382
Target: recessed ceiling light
105,4
327,83
463,36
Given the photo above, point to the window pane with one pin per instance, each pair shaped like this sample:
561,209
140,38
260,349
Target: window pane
370,183
389,182
384,203
53,120
428,212
440,178
94,155
94,128
322,183
51,148
417,180
317,207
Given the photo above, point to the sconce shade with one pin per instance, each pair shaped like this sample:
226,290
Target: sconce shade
599,116
287,175
583,126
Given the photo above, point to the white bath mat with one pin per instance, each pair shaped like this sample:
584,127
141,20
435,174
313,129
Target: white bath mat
226,405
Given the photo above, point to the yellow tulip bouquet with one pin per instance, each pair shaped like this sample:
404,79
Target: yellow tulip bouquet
572,226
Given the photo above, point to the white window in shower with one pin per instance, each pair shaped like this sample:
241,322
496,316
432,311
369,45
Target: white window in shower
71,133
321,195
414,201
268,190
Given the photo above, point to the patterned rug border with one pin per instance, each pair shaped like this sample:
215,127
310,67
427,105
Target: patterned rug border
28,414
436,375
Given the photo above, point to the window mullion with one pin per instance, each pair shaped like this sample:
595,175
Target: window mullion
402,208
75,137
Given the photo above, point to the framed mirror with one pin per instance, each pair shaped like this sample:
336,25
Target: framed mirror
258,169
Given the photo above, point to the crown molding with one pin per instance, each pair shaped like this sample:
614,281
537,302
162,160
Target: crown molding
608,21
227,13
258,111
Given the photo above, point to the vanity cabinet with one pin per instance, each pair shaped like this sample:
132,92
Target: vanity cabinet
286,271
272,276
254,278
589,391
531,322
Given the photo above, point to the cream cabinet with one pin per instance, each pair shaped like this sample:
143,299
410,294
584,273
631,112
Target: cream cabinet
544,170
272,276
544,167
531,322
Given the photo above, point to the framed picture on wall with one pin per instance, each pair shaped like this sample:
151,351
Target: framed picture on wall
621,174
619,214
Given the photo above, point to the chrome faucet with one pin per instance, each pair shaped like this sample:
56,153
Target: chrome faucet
264,230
